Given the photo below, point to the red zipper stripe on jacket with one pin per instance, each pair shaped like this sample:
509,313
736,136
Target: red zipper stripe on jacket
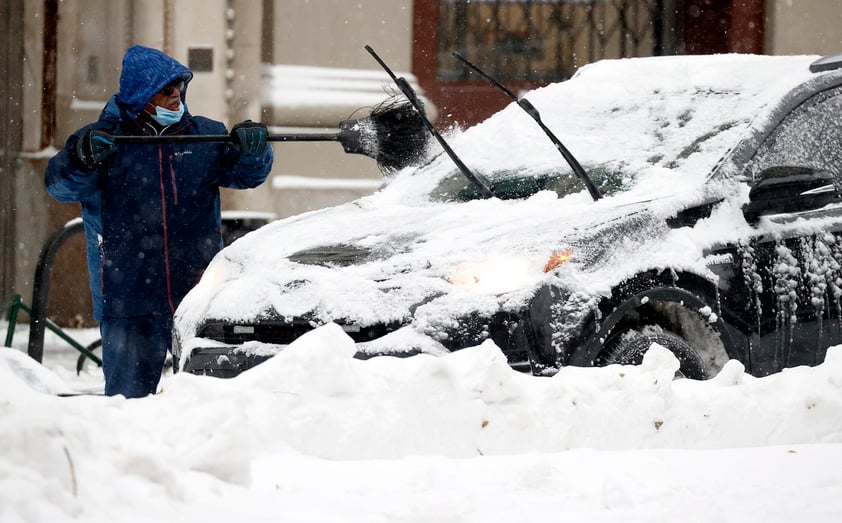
164,222
101,272
174,185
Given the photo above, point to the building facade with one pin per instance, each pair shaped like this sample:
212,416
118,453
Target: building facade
299,65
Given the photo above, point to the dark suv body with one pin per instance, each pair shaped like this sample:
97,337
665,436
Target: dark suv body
719,234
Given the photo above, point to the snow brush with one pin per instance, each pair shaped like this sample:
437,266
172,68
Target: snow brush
411,95
393,134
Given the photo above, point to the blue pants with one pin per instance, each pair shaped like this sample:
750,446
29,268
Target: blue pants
133,353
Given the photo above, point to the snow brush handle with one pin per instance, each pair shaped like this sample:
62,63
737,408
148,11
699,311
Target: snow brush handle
222,138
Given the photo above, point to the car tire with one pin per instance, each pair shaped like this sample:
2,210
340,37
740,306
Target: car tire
629,347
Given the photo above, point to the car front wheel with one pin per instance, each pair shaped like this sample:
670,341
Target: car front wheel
629,347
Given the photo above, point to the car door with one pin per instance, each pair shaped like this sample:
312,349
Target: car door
790,270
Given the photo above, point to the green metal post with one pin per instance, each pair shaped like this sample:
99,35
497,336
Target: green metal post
13,318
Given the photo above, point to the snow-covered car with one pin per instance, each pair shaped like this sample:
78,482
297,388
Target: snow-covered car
716,232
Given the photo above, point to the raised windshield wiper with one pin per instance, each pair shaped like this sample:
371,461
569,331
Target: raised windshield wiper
409,92
533,112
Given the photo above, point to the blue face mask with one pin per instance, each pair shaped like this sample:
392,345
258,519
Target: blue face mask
166,117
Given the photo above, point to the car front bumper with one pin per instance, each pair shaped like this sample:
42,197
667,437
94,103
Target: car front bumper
225,349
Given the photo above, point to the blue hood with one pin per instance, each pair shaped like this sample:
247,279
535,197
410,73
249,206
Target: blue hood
145,72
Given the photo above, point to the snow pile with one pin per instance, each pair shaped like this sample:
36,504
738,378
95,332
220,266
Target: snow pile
315,435
30,372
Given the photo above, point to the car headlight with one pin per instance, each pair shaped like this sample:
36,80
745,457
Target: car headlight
216,273
496,275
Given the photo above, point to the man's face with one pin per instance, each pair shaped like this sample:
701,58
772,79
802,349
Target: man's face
169,97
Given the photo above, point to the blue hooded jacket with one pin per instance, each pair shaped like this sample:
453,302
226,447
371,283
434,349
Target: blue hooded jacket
151,213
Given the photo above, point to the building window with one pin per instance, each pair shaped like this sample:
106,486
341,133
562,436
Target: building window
544,40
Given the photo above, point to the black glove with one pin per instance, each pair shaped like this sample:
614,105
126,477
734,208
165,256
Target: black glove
94,147
249,137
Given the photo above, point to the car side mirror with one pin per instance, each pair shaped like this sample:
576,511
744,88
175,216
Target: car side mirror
791,189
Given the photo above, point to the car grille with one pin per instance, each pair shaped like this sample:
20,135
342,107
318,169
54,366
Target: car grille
280,332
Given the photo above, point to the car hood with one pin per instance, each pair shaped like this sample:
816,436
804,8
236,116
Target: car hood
366,263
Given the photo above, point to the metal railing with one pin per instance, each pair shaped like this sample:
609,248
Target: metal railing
38,321
234,225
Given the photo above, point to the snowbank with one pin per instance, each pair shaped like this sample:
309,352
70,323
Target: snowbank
314,434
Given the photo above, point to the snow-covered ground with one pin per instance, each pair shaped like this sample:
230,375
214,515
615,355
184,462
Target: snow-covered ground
315,435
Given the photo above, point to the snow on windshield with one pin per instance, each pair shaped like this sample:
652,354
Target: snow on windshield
641,116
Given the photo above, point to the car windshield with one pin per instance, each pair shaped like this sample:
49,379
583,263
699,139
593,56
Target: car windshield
507,185
630,123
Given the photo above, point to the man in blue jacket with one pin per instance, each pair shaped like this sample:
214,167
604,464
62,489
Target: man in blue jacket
151,211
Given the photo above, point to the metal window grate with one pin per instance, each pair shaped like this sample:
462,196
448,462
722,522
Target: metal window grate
545,40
